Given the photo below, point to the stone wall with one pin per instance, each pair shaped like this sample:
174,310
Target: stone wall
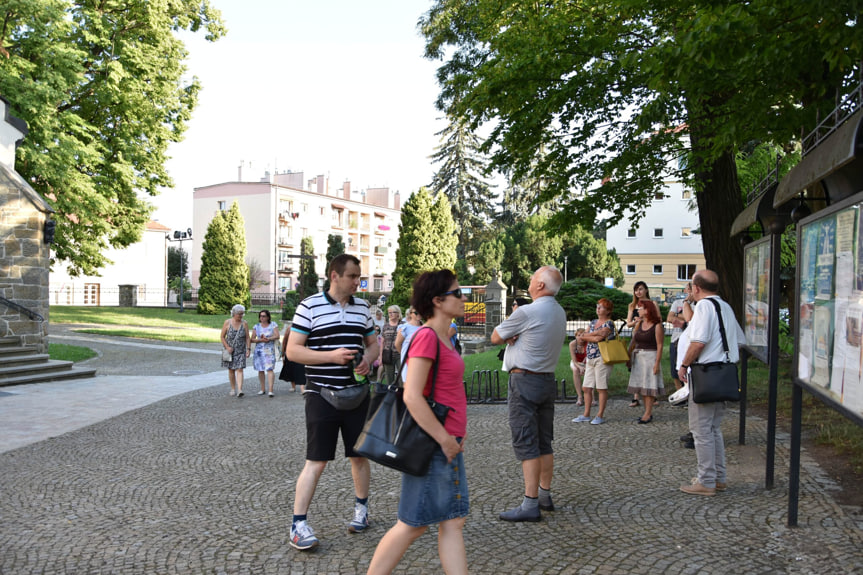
24,260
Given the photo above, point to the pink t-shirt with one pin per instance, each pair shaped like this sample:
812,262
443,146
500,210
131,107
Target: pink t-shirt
449,385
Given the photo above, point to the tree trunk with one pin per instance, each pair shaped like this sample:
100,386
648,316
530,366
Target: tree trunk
719,203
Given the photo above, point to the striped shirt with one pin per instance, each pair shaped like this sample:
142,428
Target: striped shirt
328,325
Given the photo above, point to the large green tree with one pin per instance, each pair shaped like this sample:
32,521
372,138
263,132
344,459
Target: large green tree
460,178
426,241
611,90
335,247
103,89
529,244
178,259
588,257
224,275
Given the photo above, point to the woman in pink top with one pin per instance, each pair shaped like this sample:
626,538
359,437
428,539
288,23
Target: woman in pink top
441,496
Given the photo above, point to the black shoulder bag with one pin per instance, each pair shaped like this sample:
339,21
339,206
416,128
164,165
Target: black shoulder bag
391,437
715,381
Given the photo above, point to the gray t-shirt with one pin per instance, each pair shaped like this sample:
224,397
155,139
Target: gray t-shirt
541,331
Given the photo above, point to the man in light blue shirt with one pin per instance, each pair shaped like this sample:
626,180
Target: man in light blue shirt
535,334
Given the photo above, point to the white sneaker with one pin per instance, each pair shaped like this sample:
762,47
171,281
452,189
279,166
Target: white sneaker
232,393
360,522
260,393
271,394
302,536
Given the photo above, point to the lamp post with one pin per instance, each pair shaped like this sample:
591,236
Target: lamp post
179,237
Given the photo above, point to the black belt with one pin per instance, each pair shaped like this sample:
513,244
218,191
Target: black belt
519,370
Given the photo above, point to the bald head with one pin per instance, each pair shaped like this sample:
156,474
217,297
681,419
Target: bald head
707,281
545,281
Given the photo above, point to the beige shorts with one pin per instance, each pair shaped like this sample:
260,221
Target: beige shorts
596,374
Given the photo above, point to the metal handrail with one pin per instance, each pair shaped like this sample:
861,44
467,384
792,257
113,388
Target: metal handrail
30,313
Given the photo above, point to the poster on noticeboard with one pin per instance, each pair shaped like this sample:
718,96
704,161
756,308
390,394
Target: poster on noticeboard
829,354
756,296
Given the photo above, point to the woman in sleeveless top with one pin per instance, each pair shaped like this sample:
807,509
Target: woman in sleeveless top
235,339
645,349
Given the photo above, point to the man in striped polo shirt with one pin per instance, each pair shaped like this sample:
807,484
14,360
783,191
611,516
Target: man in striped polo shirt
329,332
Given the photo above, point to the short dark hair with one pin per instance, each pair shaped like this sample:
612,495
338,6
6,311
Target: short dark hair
520,301
428,286
340,262
266,312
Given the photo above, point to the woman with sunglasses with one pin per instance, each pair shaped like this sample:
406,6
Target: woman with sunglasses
265,334
441,496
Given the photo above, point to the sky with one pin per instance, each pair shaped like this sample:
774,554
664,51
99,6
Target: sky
333,87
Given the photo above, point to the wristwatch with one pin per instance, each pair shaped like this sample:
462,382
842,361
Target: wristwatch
685,366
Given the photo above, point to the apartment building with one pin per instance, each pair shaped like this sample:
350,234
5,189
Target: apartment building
281,209
662,250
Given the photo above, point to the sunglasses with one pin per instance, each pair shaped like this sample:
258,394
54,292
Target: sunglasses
456,292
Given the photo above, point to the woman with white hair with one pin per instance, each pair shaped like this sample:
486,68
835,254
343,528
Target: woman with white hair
235,340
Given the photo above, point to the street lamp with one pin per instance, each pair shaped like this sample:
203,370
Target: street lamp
179,237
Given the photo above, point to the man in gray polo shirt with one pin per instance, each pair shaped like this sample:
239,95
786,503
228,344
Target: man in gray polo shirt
534,334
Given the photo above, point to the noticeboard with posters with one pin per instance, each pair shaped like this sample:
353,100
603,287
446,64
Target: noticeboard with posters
829,342
756,296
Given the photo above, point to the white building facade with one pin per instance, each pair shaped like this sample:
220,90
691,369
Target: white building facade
663,250
143,265
281,210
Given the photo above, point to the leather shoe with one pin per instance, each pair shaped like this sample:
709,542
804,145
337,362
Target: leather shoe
519,514
696,488
721,486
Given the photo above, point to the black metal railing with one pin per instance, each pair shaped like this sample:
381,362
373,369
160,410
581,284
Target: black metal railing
20,308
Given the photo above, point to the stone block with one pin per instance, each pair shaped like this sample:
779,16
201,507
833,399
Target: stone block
31,248
12,247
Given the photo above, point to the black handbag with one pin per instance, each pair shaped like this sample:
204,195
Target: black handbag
387,356
715,381
390,435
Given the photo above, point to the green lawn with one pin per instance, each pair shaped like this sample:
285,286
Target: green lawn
135,316
65,352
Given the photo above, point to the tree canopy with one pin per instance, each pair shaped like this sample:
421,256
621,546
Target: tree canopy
308,275
224,279
103,90
610,92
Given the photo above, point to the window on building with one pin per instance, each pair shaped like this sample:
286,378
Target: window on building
657,269
657,232
659,196
630,234
379,285
630,268
686,195
685,232
223,205
685,272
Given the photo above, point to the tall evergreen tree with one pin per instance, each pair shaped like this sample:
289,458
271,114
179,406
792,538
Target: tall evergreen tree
459,177
335,247
224,273
308,275
424,244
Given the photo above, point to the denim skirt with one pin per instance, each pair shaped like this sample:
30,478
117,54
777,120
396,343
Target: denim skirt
438,496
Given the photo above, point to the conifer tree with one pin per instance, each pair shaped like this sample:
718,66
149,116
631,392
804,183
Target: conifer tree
224,273
308,275
459,177
424,243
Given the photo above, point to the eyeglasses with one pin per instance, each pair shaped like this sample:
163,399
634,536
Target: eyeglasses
456,292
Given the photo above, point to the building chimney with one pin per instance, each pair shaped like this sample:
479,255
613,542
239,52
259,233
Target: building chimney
346,190
397,201
240,172
321,188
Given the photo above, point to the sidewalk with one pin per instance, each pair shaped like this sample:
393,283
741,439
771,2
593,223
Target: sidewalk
143,475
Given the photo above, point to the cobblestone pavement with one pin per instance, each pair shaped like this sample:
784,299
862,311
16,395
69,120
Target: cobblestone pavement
201,482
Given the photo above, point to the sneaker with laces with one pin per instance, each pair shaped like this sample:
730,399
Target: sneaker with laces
581,419
597,420
360,522
302,536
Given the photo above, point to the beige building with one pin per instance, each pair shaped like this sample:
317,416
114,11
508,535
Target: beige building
280,210
663,250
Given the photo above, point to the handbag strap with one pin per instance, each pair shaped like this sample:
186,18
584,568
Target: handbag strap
436,359
721,328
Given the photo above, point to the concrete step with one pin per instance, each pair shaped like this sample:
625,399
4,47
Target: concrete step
10,341
22,360
7,350
45,376
44,366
